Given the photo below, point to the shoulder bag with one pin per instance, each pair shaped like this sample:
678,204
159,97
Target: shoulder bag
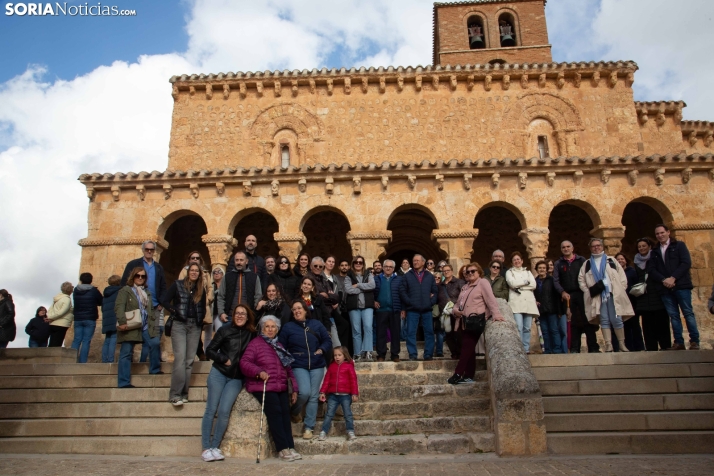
639,289
133,319
475,322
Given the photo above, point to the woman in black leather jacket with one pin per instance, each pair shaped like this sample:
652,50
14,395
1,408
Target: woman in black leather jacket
225,380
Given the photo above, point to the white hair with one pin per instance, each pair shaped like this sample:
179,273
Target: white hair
143,245
265,319
317,260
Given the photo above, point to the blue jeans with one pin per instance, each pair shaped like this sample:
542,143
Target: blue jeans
83,332
110,345
145,346
563,330
403,333
440,341
126,351
524,321
222,394
681,299
334,401
413,321
550,327
33,344
362,336
309,382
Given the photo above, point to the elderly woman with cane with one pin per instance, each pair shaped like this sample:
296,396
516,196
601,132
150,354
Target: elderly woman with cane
268,376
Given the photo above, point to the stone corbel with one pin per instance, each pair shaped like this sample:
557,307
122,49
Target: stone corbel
536,242
711,175
290,244
209,91
692,138
329,185
411,180
550,178
524,81
522,180
417,82
435,82
659,176
487,82
642,115
470,82
613,79
686,175
116,192
400,83
168,190
247,188
560,82
226,91
194,190
294,87
439,182
275,188
632,177
596,79
495,179
611,237
708,138
578,177
467,181
458,244
242,90
348,85
141,192
605,176
302,185
220,188
192,90
313,86
506,82
91,193
577,80
365,84
660,119
357,185
385,182
371,245
452,82
329,86
542,80
175,92
382,84
630,79
259,88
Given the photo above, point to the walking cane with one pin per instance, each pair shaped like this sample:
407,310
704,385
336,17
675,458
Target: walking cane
568,312
260,433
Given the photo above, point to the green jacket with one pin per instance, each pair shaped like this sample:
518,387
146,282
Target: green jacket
499,286
126,301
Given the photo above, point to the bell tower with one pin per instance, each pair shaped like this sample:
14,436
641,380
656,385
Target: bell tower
491,31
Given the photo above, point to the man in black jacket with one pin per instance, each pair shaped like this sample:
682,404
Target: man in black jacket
669,266
418,294
256,264
87,300
239,286
565,279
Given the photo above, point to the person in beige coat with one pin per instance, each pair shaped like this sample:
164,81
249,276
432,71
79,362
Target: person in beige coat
521,284
60,315
604,285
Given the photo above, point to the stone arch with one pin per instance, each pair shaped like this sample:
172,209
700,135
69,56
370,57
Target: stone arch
259,222
288,116
572,220
171,217
499,224
325,229
412,226
413,206
184,232
639,217
483,18
512,16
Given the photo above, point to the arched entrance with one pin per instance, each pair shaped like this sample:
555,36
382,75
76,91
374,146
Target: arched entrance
411,234
498,228
639,220
262,225
184,236
572,223
326,234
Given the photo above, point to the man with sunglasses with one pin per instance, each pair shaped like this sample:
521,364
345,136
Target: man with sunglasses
418,294
388,310
155,277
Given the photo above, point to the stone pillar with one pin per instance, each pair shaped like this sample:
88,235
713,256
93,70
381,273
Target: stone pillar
220,248
458,245
611,238
372,245
290,244
241,437
536,241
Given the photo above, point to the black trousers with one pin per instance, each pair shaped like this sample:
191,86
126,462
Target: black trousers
344,329
655,327
57,334
633,335
388,320
277,412
576,333
453,340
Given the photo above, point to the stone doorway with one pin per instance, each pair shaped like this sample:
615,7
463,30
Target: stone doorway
639,220
411,234
498,228
326,234
262,225
184,236
572,223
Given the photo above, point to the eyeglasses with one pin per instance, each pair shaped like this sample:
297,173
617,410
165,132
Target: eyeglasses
359,262
317,266
430,263
150,250
387,267
284,262
140,276
195,257
469,272
495,267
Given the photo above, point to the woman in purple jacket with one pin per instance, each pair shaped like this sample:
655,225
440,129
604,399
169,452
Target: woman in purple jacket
266,360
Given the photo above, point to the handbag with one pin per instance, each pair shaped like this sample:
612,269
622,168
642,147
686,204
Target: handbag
475,322
133,319
639,289
168,325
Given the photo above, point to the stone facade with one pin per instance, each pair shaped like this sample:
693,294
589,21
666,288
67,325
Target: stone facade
405,159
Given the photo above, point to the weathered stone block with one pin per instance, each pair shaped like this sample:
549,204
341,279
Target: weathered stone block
523,409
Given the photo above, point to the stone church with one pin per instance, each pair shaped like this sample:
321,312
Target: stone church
492,146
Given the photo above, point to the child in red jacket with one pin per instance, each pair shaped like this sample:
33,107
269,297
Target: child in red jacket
339,388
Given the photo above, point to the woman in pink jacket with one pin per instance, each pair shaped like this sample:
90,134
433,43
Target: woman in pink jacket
266,360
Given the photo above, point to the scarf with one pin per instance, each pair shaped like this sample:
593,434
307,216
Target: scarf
273,306
285,357
601,273
641,261
143,299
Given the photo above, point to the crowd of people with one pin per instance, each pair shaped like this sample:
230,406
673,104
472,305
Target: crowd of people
288,334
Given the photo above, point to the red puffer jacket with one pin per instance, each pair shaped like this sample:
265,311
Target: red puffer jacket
258,357
340,378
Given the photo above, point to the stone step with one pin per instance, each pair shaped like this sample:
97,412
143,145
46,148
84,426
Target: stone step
147,409
665,442
93,381
91,369
196,394
423,392
400,444
446,366
404,378
420,409
628,403
132,445
630,386
615,358
18,355
643,421
624,371
102,427
428,426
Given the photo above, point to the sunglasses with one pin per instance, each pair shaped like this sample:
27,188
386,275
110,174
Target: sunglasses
140,276
495,267
317,266
150,250
359,262
195,257
470,271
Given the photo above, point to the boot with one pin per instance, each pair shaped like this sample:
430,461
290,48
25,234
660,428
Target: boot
607,337
620,333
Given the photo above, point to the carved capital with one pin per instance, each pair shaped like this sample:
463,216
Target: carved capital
286,237
220,248
227,239
536,242
611,238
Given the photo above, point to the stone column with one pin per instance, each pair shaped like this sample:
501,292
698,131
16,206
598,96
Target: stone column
372,245
458,245
290,244
536,241
611,238
220,248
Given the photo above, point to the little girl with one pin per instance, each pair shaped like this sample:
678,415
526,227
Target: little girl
339,388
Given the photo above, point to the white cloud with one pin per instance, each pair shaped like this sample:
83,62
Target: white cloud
117,117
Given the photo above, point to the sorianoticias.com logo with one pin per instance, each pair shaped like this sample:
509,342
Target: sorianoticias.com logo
57,8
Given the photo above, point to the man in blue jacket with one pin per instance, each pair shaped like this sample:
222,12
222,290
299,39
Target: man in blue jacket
669,266
418,293
388,310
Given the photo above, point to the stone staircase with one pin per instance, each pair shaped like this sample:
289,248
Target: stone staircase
628,403
405,407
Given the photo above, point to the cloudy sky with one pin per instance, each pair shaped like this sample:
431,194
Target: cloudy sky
91,94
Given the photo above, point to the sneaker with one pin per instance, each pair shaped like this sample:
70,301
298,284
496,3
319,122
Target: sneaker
286,455
693,346
295,454
465,380
368,357
307,435
177,402
357,358
351,436
218,454
454,379
184,399
207,455
322,436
